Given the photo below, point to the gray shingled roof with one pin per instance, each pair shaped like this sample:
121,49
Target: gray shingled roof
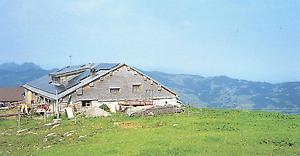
44,84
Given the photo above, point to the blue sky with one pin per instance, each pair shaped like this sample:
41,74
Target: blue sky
247,39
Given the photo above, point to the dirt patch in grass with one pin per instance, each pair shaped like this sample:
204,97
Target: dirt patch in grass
127,125
8,111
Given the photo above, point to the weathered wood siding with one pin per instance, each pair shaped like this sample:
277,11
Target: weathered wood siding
123,78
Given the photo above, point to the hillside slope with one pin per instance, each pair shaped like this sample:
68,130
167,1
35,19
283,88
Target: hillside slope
14,75
225,92
195,132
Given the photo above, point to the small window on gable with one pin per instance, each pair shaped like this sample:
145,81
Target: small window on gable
159,88
56,79
151,82
86,103
136,88
145,78
79,91
114,90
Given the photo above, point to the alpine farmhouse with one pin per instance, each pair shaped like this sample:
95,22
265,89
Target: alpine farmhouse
91,85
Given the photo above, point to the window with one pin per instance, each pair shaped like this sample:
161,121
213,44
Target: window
136,88
79,91
86,103
56,79
159,88
151,82
145,78
114,90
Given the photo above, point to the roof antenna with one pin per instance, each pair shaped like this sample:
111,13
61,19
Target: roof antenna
70,57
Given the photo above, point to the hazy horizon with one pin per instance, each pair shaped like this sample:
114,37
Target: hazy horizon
165,72
251,40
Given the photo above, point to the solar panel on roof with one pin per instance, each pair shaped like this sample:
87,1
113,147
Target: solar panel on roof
105,66
43,84
78,78
69,69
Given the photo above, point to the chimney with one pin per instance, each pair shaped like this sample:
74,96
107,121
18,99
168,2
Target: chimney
93,72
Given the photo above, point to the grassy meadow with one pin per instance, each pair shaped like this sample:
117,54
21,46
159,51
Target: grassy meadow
194,132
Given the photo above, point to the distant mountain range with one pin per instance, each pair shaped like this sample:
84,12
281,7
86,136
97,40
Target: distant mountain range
13,75
225,92
199,91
